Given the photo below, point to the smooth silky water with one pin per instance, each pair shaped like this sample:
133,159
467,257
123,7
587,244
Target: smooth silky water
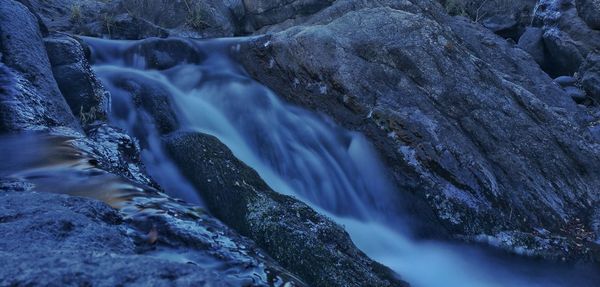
306,155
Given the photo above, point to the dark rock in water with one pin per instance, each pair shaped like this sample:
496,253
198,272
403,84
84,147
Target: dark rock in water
532,42
115,152
303,241
79,86
565,81
589,10
465,121
565,57
576,94
162,54
35,100
590,76
147,94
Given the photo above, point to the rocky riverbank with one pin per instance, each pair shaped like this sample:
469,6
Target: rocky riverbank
488,121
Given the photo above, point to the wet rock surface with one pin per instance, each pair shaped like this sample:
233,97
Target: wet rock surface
59,240
78,84
483,145
285,227
32,98
590,76
466,122
176,242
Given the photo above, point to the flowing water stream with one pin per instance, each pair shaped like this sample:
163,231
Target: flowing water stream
299,153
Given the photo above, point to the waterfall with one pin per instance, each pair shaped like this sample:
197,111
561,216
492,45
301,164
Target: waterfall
299,153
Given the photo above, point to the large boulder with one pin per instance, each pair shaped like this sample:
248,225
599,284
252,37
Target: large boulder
134,19
32,99
465,121
532,41
590,76
505,18
261,13
563,53
589,10
566,34
162,54
132,91
303,241
57,240
78,84
86,242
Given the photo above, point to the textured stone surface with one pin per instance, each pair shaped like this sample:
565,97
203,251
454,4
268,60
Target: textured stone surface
59,240
589,10
590,76
466,122
78,84
33,99
303,241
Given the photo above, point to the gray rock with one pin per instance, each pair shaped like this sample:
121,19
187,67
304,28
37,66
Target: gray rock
174,241
533,43
149,96
303,241
505,18
589,10
78,84
134,19
261,13
34,101
59,240
576,94
590,76
162,54
566,81
553,16
126,26
115,152
466,122
563,53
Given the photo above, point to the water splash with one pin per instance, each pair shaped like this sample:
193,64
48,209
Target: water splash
300,153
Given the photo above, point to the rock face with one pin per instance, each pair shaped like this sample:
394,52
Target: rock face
134,19
78,84
505,18
296,236
179,243
465,121
590,76
567,37
58,240
261,13
589,10
34,100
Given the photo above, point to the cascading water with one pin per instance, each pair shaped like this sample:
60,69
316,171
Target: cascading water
297,152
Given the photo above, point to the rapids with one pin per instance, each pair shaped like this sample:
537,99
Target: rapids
303,154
